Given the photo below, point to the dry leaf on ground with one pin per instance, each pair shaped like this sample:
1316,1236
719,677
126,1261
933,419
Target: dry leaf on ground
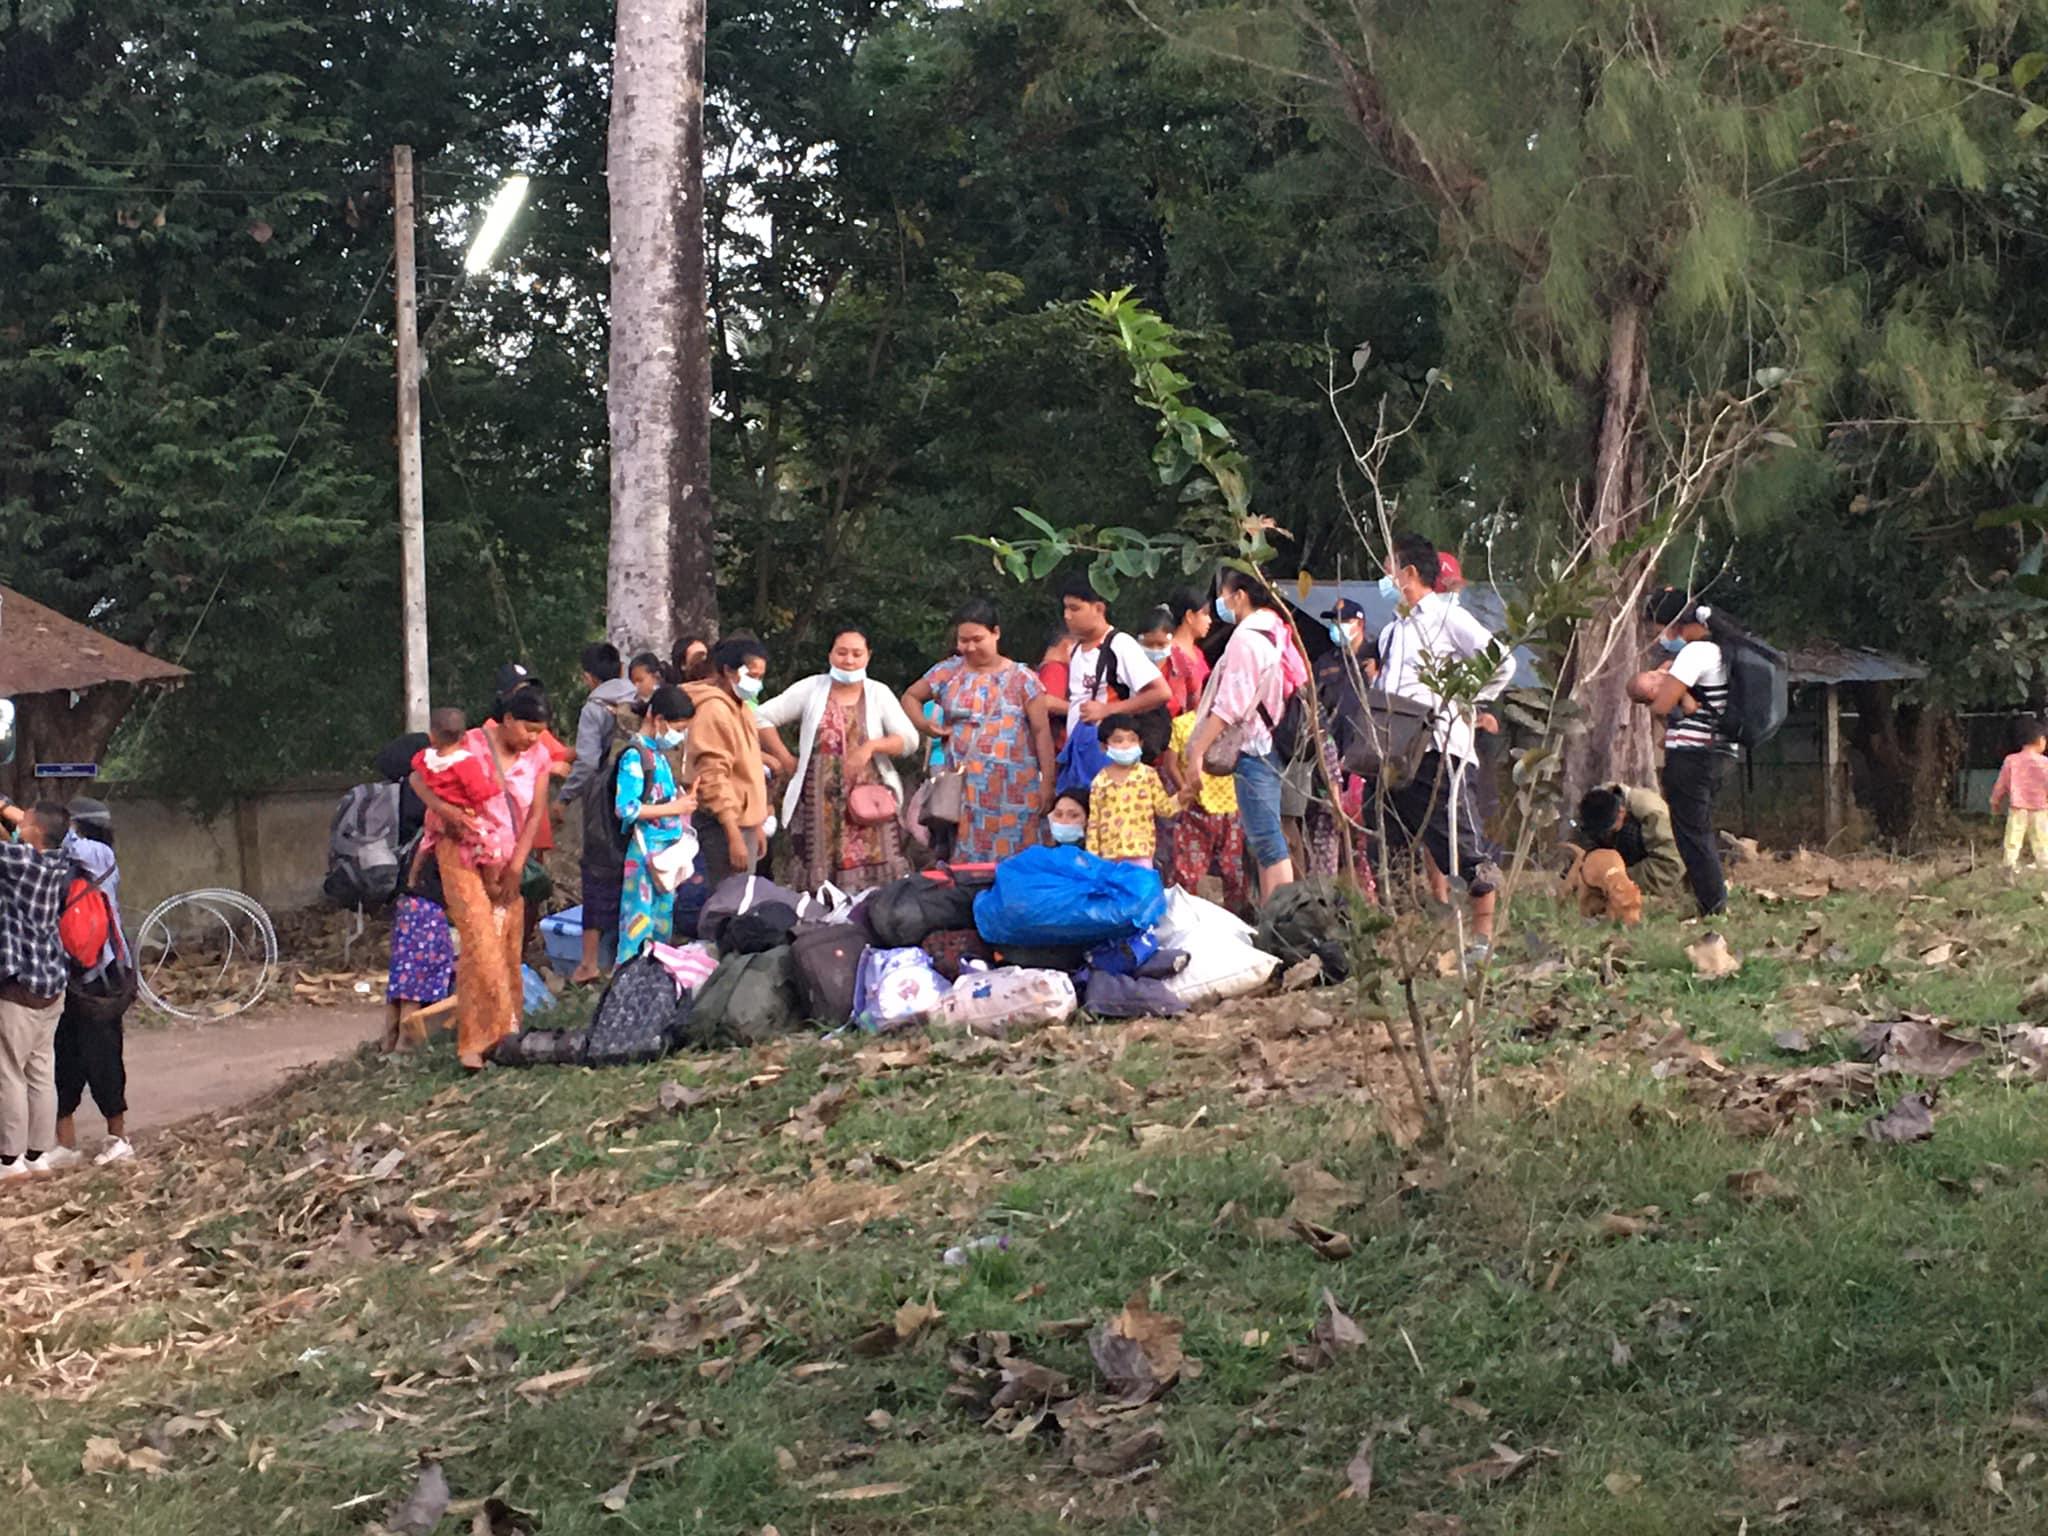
1138,1351
1326,1241
1916,1048
1504,1463
1121,1458
863,1493
1911,1119
1712,958
424,1506
1622,1484
1358,1471
1334,1334
1753,1186
557,1381
1621,1224
908,1325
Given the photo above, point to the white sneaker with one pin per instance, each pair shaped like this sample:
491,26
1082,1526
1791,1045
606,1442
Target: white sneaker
53,1159
115,1151
18,1169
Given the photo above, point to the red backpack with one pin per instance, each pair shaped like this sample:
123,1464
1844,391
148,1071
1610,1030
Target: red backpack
86,923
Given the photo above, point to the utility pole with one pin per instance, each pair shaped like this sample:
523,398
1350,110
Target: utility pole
412,517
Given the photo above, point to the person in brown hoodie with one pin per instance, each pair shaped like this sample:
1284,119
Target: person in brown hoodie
725,759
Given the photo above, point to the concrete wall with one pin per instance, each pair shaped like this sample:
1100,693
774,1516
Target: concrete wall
272,846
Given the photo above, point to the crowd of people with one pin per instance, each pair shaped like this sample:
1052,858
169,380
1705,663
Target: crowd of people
1182,745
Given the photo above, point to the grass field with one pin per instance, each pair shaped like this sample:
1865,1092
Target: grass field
709,1295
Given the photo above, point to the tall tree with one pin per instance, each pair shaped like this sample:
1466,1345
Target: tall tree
660,569
1640,207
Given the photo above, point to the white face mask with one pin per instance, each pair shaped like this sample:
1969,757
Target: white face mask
1067,831
747,686
1160,654
842,675
1123,757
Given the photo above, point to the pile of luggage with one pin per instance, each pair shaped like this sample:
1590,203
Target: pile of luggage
995,949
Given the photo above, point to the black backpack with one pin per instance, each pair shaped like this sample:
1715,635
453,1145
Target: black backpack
641,1017
748,1000
1759,683
1154,726
827,962
605,804
1307,918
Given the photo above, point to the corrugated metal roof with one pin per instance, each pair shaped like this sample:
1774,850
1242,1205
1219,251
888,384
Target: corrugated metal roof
1822,661
41,651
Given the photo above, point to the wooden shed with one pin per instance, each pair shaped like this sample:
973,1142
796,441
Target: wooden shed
71,686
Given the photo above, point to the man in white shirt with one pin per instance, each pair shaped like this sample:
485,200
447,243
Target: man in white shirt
1092,687
1436,808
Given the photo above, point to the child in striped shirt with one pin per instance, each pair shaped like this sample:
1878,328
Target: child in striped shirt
2023,786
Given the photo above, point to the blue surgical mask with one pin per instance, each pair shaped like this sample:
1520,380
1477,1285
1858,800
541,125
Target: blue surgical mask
1223,610
1336,634
1671,643
747,686
841,675
1067,831
1160,655
1389,590
1123,757
668,741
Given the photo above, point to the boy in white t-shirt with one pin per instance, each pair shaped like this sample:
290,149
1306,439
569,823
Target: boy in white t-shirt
1091,687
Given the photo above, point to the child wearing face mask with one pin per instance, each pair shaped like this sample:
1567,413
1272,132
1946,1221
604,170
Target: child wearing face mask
1156,639
464,779
1126,801
654,813
1067,822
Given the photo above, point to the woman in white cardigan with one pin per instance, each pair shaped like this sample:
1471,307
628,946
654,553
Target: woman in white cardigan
848,728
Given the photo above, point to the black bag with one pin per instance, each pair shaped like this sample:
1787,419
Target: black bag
742,893
827,962
1154,726
1307,918
1758,688
1060,957
748,1000
1384,736
639,1018
539,1048
758,929
904,913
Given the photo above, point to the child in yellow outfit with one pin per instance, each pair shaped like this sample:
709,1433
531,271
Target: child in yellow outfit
1125,801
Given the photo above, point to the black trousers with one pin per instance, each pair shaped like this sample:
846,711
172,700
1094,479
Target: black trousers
1420,812
1692,782
89,1056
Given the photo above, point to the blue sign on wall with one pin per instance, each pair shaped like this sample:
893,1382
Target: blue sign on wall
67,770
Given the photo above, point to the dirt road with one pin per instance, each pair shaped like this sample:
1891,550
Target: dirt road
177,1073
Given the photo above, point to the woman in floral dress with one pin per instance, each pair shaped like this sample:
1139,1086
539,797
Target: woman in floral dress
997,723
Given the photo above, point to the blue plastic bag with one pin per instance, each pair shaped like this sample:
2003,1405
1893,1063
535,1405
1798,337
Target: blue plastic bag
1081,758
1046,897
535,996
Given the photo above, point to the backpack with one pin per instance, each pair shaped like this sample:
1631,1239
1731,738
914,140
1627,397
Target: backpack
641,1016
1758,684
743,893
364,858
1307,918
827,962
758,930
1155,726
748,1000
604,806
904,913
86,920
897,988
